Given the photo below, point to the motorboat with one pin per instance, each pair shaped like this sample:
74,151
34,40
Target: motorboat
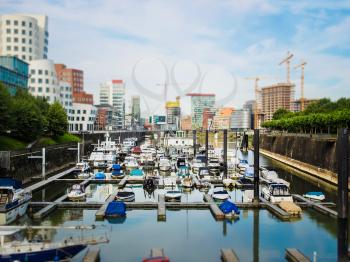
13,200
243,164
181,162
130,163
228,182
137,173
150,182
249,173
196,165
220,194
276,192
173,195
82,167
318,196
169,181
187,182
204,173
136,150
117,172
244,183
229,209
104,153
164,164
183,171
214,164
84,175
100,176
77,193
125,195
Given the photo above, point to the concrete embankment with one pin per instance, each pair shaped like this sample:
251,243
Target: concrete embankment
314,156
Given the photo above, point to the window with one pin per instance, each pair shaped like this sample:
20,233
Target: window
40,89
46,80
8,31
32,71
30,33
15,40
16,22
23,23
15,31
47,90
78,112
30,58
23,48
8,39
40,80
46,72
84,111
30,41
78,118
32,80
23,40
8,48
23,32
82,118
40,72
8,22
33,89
16,48
30,24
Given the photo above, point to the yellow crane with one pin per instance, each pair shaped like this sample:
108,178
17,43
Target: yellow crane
302,66
256,90
286,60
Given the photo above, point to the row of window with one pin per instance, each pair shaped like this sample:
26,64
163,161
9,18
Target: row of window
23,57
16,40
40,81
16,31
15,48
40,72
16,22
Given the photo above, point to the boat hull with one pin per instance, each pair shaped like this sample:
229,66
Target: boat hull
8,216
44,255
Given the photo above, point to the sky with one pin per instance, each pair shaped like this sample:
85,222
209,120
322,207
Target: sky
198,46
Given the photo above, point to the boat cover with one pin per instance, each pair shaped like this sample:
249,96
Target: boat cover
117,172
227,207
10,182
115,208
136,172
314,193
116,167
100,175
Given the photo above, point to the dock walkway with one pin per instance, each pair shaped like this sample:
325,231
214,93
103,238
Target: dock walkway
294,255
228,255
317,206
100,214
215,210
280,213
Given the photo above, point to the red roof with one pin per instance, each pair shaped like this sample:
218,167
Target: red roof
200,94
117,81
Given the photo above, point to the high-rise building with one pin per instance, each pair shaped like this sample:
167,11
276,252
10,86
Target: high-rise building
104,118
43,81
240,119
76,79
307,102
208,116
173,114
198,103
135,110
250,105
277,96
222,118
24,36
113,93
13,73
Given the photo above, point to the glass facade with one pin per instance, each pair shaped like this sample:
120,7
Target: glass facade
13,73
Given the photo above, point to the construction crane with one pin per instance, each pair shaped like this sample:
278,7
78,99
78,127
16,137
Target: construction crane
256,90
286,60
302,66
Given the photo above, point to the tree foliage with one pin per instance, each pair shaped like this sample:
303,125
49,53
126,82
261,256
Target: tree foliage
321,116
27,117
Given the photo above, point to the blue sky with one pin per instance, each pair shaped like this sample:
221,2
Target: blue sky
226,40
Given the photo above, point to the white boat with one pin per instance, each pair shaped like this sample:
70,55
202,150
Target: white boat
318,196
164,164
13,200
125,195
169,181
131,163
83,175
220,194
82,167
173,195
243,164
228,182
196,165
77,193
104,153
187,182
214,164
276,192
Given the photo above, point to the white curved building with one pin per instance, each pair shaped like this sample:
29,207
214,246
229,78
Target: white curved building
24,36
43,81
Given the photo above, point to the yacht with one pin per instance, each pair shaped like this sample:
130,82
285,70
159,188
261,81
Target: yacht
105,153
187,182
125,195
196,165
164,164
214,164
77,193
220,194
276,192
173,195
131,163
82,167
13,200
272,176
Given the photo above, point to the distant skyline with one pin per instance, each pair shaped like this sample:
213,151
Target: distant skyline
107,39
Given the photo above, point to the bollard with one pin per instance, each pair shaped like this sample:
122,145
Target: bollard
343,172
256,165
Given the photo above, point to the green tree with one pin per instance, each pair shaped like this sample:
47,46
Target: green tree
57,120
280,113
5,109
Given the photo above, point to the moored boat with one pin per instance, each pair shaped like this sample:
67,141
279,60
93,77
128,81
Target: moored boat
125,195
77,193
318,196
173,195
276,192
220,194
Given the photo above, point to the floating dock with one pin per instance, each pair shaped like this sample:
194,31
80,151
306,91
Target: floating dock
92,255
215,210
100,214
317,206
277,211
161,208
294,255
228,255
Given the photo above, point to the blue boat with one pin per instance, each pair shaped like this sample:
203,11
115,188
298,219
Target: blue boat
116,167
115,209
228,207
117,174
319,196
136,172
100,175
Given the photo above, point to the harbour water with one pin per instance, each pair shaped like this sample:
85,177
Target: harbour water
194,235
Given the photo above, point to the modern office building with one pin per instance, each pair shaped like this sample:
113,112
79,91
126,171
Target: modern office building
76,79
104,118
198,103
276,96
82,117
13,73
173,114
43,81
222,118
208,116
241,119
24,36
135,110
113,93
307,102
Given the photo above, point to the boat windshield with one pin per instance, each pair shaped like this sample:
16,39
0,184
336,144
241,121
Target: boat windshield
280,191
